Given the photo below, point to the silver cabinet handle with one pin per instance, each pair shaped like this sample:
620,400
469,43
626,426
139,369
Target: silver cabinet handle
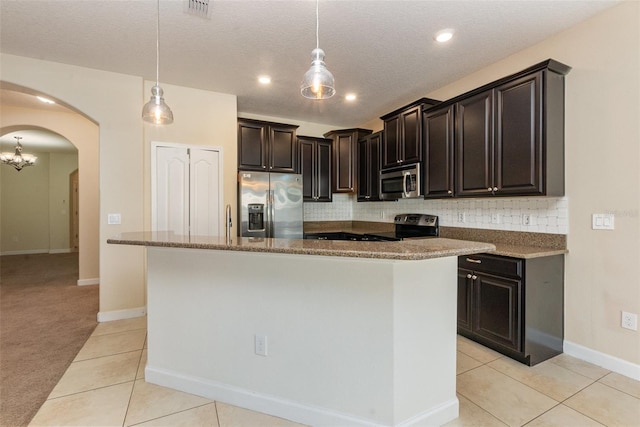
449,192
475,261
489,189
468,276
495,188
474,277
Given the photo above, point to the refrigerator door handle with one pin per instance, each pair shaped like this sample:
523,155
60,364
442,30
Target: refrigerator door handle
272,214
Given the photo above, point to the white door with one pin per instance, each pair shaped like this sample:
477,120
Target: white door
186,190
204,202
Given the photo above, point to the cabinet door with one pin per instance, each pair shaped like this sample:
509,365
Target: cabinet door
369,167
497,310
474,145
411,140
323,171
438,153
518,149
390,149
307,169
465,291
344,152
252,146
283,149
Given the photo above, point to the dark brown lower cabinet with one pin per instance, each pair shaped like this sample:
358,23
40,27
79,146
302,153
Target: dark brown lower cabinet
514,306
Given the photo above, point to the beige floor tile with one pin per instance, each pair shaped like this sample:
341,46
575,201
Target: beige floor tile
477,351
465,363
142,365
562,416
150,401
607,405
471,415
202,416
120,326
553,380
102,407
110,344
505,398
96,373
233,416
622,383
580,366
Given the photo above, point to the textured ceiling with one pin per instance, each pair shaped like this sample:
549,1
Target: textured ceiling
382,50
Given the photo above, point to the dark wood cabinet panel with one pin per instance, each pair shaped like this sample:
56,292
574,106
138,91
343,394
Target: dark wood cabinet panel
315,167
265,146
465,287
514,306
345,165
510,136
518,149
497,310
474,145
438,168
402,141
369,149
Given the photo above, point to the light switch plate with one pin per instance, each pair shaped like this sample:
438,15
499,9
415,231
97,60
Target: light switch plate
114,219
602,222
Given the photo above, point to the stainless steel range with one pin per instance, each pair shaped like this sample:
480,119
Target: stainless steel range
407,226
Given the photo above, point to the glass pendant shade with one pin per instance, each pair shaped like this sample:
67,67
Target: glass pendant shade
156,111
318,82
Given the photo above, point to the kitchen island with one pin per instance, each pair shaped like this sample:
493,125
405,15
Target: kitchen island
318,332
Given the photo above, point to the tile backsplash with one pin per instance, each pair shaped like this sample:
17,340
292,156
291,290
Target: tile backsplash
545,214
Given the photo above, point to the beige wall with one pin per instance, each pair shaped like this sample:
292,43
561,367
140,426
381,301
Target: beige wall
114,101
35,200
82,133
602,170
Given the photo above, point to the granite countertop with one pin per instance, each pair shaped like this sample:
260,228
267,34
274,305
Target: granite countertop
417,249
524,245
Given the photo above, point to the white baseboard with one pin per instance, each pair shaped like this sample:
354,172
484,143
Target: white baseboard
283,408
60,251
84,282
108,316
27,252
606,361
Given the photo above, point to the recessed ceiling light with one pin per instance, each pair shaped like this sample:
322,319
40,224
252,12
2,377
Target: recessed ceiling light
350,97
45,100
264,80
443,35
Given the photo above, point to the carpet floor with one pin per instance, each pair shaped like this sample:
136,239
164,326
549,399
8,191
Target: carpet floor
45,319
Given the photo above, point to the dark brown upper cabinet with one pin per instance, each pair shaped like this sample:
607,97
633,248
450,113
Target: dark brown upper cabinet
369,149
315,167
345,164
402,141
509,135
266,146
438,131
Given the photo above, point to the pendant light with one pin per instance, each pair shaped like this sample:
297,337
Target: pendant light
156,111
18,159
318,82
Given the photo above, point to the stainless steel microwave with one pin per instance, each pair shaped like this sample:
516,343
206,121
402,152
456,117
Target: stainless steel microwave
402,182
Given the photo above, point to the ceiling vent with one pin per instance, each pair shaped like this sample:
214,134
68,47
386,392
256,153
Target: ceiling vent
197,7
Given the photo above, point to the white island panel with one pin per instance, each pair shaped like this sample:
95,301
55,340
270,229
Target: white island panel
350,341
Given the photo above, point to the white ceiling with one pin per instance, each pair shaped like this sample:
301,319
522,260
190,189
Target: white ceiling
382,50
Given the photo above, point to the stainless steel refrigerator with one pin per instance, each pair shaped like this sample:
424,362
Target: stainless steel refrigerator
270,205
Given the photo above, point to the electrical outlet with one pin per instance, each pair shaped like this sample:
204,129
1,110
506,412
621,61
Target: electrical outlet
629,321
526,219
261,345
461,217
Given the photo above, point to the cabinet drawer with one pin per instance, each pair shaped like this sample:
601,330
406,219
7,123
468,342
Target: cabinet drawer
494,264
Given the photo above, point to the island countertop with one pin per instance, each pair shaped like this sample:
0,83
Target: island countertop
414,249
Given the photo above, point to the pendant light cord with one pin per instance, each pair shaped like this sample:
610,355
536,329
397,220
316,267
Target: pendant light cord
158,44
317,25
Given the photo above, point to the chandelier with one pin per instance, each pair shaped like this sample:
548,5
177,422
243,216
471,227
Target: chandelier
18,160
